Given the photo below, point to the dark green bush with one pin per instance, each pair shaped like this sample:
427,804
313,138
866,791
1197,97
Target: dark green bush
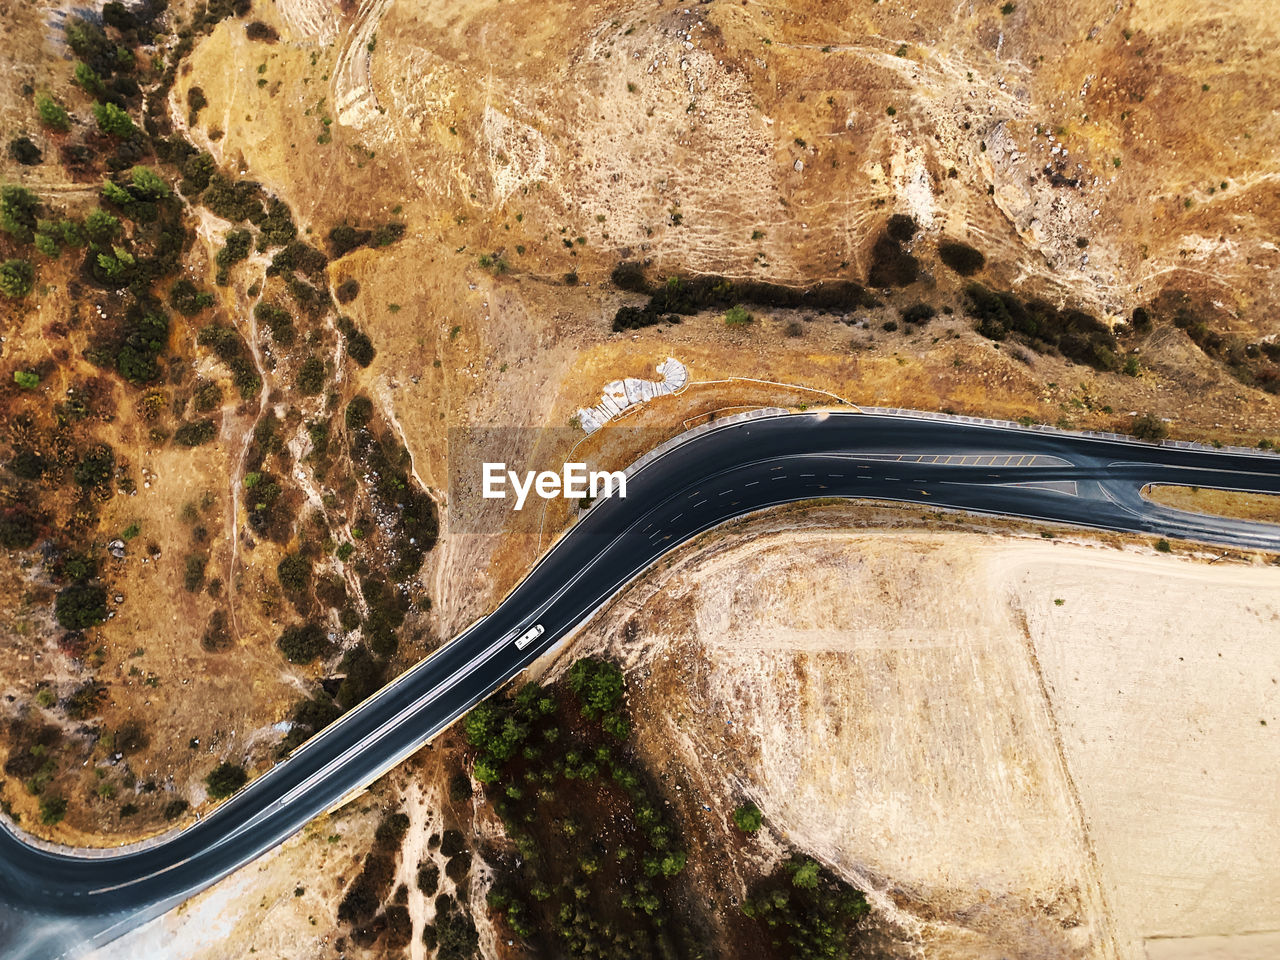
891,264
1149,427
225,779
174,809
960,257
195,433
303,643
23,151
311,377
359,412
19,210
690,295
81,605
294,572
17,277
96,466
234,200
193,574
278,320
18,527
359,346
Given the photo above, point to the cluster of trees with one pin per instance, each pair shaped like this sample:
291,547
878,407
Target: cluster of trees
806,913
598,853
230,348
1253,364
345,238
359,346
409,514
685,296
1078,336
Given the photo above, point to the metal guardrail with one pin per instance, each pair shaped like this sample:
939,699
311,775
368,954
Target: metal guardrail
1046,428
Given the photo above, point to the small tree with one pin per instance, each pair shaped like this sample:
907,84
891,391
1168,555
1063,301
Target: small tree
1149,427
748,817
88,79
52,809
225,779
303,643
113,121
101,226
53,116
16,278
147,184
737,316
805,875
18,210
81,605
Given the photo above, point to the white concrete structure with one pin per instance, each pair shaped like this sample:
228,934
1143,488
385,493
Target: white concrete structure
621,394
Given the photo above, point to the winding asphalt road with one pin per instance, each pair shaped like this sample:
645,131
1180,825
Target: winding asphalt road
54,905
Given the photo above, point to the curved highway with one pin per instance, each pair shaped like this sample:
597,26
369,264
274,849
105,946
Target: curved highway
54,905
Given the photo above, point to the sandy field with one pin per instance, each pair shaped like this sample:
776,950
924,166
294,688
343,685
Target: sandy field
1024,748
1223,503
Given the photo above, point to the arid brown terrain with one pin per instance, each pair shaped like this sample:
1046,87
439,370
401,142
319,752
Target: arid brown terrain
240,324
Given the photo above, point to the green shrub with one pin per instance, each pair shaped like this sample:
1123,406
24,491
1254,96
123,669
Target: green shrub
52,809
95,467
193,574
303,643
113,121
278,320
53,116
17,277
294,572
311,377
197,171
277,228
26,379
359,412
147,184
1149,427
359,346
960,257
225,779
81,605
48,244
233,200
748,817
737,316
195,433
101,226
144,338
196,101
598,684
19,208
238,245
89,80
187,299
